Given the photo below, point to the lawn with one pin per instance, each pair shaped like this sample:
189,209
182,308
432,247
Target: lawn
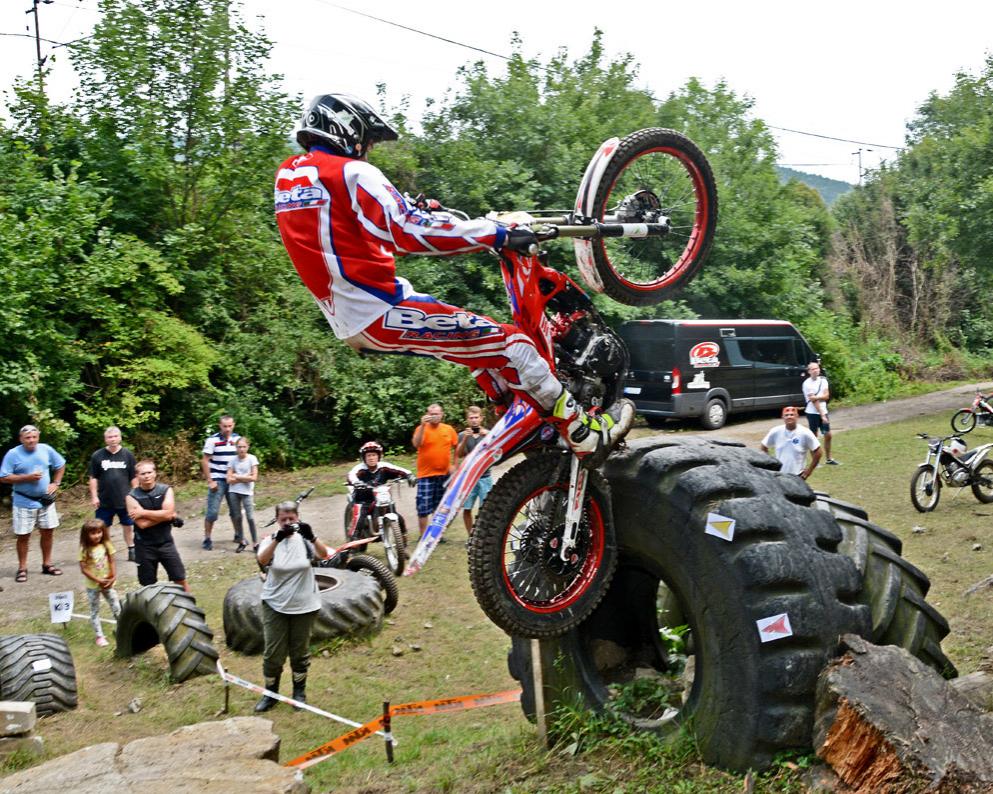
460,652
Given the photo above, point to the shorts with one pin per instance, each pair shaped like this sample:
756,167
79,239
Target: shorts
214,498
148,558
106,514
816,424
27,518
479,491
429,493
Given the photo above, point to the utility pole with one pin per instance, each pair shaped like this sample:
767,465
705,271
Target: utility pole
37,42
859,153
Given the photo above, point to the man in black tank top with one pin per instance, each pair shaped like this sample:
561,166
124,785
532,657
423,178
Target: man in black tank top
153,507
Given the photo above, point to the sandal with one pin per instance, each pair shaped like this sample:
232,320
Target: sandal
22,575
51,570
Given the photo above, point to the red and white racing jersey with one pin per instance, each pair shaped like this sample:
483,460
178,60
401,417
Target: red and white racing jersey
342,221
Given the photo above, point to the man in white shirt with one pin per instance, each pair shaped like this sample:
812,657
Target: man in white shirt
817,394
790,444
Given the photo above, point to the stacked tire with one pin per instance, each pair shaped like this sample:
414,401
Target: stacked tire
351,603
38,668
758,578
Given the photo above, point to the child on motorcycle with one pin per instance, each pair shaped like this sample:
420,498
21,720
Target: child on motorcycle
371,471
342,221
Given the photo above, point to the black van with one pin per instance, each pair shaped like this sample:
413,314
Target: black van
709,368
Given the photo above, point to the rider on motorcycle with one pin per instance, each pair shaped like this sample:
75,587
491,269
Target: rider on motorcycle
372,470
342,221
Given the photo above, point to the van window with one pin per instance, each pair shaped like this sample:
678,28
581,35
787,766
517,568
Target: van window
650,345
769,352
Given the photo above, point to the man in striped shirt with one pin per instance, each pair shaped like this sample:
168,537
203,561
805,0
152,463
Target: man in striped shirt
218,450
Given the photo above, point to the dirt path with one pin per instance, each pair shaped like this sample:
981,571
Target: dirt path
30,599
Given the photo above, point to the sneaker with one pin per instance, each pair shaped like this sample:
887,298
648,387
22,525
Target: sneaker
102,642
592,436
241,547
131,557
207,544
832,462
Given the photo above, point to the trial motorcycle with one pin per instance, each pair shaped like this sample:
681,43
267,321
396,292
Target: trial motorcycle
382,522
543,549
981,412
948,463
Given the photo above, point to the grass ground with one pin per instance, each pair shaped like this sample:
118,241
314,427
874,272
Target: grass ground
461,652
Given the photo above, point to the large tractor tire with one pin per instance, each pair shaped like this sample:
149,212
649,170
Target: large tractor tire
893,588
351,603
371,566
166,613
764,603
38,668
816,560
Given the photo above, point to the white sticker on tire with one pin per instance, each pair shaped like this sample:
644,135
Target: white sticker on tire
720,526
775,628
41,665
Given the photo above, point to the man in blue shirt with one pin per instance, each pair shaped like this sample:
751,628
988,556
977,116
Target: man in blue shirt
35,471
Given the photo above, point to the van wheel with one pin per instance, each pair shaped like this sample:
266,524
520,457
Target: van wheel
715,414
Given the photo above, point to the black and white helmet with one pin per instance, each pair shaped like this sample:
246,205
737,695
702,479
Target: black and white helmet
343,122
371,446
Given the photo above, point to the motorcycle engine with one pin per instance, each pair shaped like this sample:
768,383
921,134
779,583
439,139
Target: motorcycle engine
960,478
591,359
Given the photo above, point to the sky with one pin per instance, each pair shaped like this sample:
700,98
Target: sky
852,70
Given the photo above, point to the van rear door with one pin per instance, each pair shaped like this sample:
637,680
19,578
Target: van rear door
648,381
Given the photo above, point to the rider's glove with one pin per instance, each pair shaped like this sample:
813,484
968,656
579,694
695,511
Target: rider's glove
306,531
411,479
285,532
422,202
521,239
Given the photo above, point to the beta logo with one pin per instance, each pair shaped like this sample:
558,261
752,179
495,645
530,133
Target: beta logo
416,324
705,354
300,197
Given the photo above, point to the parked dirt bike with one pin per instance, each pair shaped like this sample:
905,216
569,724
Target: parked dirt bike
543,548
382,522
345,557
981,412
949,463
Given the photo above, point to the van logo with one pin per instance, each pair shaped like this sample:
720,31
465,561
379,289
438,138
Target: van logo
705,354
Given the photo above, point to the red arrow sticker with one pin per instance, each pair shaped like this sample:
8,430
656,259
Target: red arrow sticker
775,628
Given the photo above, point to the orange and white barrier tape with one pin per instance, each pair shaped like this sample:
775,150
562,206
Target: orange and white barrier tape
233,679
361,732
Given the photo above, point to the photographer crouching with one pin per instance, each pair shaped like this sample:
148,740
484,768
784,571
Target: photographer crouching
290,601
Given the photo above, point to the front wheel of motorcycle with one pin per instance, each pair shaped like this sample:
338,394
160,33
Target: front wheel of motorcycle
925,489
515,563
963,421
655,173
394,546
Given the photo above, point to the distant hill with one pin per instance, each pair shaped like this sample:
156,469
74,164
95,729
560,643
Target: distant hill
829,189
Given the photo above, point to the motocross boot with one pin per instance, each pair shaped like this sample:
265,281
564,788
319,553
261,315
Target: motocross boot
299,689
265,702
591,438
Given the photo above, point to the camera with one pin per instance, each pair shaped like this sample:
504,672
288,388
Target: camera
177,522
475,431
294,527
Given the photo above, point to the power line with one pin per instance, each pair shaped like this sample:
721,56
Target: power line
508,58
29,36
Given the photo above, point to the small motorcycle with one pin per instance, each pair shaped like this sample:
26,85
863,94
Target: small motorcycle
948,462
344,557
981,412
382,522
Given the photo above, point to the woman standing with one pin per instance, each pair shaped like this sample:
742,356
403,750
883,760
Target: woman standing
290,601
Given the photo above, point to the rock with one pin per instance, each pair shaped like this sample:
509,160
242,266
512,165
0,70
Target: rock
134,706
398,650
233,756
414,647
944,557
977,546
17,717
26,743
983,584
918,530
429,625
886,722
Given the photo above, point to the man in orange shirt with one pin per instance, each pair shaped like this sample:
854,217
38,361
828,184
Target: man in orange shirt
434,441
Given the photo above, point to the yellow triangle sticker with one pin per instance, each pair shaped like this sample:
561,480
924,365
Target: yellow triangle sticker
720,526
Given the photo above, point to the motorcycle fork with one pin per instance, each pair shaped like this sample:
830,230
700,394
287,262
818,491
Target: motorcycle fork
578,477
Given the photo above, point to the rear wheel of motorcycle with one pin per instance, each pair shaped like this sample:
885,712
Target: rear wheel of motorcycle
515,569
655,170
709,626
925,489
394,547
365,563
963,421
982,485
